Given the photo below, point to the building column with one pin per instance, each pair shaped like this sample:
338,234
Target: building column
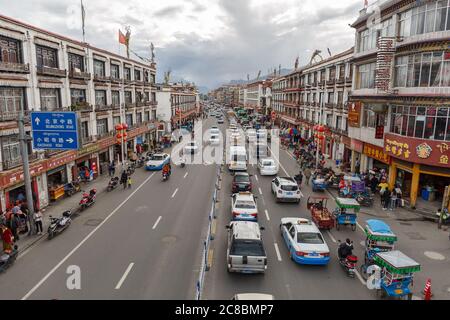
415,184
353,161
392,175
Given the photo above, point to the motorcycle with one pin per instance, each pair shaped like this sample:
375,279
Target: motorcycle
165,176
348,263
58,225
112,184
88,199
72,187
7,259
130,169
140,162
364,200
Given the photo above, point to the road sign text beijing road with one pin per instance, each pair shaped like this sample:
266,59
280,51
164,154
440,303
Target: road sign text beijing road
54,130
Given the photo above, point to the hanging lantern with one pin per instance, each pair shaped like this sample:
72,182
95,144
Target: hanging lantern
119,127
321,128
118,141
321,138
125,134
119,136
125,126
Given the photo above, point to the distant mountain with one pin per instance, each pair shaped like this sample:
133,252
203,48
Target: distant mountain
284,71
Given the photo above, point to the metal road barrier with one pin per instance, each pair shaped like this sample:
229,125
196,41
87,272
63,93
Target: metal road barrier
204,266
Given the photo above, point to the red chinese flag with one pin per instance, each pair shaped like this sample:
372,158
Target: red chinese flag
122,38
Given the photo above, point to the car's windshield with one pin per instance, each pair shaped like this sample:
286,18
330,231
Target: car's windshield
247,248
241,178
309,238
240,204
239,157
289,187
267,163
157,158
214,137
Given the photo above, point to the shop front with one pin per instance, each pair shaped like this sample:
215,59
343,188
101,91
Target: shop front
86,165
56,179
356,157
421,167
376,157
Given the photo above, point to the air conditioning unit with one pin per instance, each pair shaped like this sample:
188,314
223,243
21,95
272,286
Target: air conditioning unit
76,70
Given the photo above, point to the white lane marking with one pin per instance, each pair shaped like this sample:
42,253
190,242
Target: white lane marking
25,297
277,251
256,177
331,236
279,163
364,283
267,215
119,284
291,154
301,194
260,191
185,175
359,226
174,193
156,223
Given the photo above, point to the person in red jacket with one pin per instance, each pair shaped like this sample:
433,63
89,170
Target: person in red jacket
7,238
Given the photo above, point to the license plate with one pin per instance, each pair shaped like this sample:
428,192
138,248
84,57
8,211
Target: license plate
290,193
313,254
398,291
244,214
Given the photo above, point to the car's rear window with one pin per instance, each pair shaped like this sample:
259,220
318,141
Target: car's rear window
240,204
289,188
309,238
240,178
268,163
247,248
157,158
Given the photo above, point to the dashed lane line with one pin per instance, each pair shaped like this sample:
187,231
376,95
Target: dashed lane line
331,236
360,278
260,191
174,193
185,175
256,177
267,215
277,251
29,293
119,284
156,223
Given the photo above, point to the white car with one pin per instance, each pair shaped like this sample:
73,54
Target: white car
243,207
286,189
304,241
214,130
251,135
157,161
267,167
214,140
191,148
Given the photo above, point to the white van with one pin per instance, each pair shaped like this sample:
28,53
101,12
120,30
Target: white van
237,160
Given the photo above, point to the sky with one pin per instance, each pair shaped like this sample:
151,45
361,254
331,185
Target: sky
208,42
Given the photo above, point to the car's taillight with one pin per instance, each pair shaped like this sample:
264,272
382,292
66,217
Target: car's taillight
300,253
254,215
235,214
326,254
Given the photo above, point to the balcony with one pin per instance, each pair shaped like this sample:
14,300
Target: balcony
349,79
321,82
14,67
81,106
314,84
10,164
103,107
330,105
331,82
128,81
101,78
115,80
130,105
139,83
105,135
79,75
340,80
87,140
54,72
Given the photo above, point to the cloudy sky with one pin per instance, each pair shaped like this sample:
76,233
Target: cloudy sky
205,41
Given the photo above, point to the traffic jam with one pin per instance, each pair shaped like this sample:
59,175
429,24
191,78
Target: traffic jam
381,267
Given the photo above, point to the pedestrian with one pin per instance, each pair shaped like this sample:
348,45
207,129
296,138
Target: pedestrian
307,173
373,184
386,199
7,238
21,197
129,181
14,224
398,194
111,169
393,200
124,179
38,221
357,165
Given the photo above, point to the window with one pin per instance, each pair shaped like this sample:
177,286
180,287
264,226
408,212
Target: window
372,119
309,238
10,148
127,73
128,97
367,75
342,71
329,120
129,120
339,122
99,68
138,96
146,116
252,248
50,99
11,100
46,57
84,129
115,71
428,69
100,97
332,74
421,122
429,17
10,50
116,120
76,62
139,118
102,127
137,75
147,96
115,97
340,97
330,97
78,96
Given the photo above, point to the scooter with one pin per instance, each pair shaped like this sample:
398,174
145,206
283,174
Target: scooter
7,259
72,187
58,225
112,184
348,263
165,176
140,162
88,199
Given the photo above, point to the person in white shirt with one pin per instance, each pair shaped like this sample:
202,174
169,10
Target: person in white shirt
38,221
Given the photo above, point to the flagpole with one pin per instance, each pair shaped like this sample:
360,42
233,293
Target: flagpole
83,14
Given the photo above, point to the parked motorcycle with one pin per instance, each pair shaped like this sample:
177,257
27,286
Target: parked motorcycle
348,263
72,187
140,163
7,259
58,225
364,199
130,169
112,184
88,199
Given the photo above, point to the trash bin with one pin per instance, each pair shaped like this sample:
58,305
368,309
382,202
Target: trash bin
338,162
425,194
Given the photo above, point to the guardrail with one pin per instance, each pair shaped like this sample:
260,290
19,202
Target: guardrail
209,237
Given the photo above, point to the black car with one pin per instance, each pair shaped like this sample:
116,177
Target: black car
241,182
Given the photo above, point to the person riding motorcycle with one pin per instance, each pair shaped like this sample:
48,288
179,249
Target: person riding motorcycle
345,249
167,169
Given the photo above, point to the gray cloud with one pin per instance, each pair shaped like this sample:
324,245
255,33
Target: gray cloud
168,11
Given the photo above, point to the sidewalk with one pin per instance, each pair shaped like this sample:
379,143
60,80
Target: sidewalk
56,208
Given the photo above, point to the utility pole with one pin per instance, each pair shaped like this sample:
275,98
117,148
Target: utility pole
26,169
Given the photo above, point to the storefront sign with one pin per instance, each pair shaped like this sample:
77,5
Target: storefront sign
17,176
354,112
357,145
61,160
346,141
106,142
429,152
379,132
376,153
88,149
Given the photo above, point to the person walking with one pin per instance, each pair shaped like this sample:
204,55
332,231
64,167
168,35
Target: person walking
124,179
38,221
386,199
307,173
7,238
14,224
112,169
393,200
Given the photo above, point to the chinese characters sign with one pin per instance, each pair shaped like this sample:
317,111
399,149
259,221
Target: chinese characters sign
354,111
377,153
430,152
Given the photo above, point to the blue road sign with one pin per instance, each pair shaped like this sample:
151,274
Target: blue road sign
54,130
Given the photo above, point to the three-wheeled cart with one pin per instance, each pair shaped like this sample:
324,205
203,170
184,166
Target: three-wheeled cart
346,212
323,218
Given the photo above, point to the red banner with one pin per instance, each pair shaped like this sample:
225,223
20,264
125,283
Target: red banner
429,152
354,112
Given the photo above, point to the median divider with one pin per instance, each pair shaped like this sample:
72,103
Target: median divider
207,252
